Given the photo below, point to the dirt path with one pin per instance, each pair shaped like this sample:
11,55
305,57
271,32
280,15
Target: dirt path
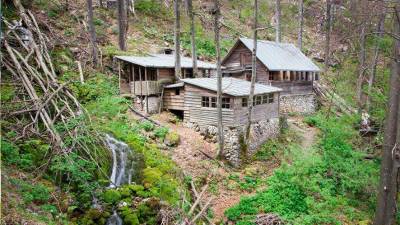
308,134
194,163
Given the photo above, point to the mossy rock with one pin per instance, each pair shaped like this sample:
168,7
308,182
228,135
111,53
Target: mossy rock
151,176
172,139
125,192
111,196
135,188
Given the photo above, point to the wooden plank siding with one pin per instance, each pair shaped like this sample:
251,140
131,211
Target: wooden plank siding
173,101
194,112
289,81
260,112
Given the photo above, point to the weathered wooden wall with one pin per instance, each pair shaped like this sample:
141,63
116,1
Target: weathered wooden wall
173,101
195,113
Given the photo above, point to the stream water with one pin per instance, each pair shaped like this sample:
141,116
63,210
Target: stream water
126,168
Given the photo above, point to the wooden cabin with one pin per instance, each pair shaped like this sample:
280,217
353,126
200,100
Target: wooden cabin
196,100
143,77
279,64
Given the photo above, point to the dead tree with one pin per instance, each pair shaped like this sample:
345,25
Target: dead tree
178,72
278,35
379,33
361,66
327,34
122,24
301,24
217,14
253,75
192,37
92,32
388,188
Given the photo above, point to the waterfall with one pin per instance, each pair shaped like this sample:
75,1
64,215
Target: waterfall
120,174
114,219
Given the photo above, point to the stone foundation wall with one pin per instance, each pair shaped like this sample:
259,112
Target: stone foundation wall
154,104
304,104
233,138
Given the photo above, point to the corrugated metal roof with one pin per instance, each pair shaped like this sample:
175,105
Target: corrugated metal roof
231,86
175,85
281,56
164,61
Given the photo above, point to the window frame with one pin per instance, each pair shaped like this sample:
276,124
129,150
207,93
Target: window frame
205,101
245,102
226,103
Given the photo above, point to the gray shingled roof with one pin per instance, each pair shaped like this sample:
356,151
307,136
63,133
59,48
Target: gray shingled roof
281,56
164,61
231,86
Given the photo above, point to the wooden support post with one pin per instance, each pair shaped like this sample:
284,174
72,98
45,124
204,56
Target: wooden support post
147,89
141,88
281,75
133,78
80,72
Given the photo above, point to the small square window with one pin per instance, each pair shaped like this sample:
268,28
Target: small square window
177,91
265,99
258,100
214,102
271,76
270,98
244,102
205,101
226,103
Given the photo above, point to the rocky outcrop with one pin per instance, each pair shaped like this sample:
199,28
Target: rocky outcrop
303,104
234,150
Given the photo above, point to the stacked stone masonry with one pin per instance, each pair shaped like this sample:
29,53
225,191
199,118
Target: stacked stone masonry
303,103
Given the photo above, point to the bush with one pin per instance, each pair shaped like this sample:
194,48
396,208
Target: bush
172,139
38,193
320,187
147,126
161,132
111,196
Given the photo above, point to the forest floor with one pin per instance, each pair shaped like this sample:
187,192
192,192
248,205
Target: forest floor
226,192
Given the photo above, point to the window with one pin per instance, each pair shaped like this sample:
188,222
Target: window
316,76
177,91
265,99
271,98
205,101
226,103
271,76
257,100
244,102
214,102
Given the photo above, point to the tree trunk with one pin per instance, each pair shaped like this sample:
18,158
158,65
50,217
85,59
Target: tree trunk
253,75
101,3
92,32
278,35
361,67
379,30
177,40
216,13
192,37
122,24
386,207
301,23
327,34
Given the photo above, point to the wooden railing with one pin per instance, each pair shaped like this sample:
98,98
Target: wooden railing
145,87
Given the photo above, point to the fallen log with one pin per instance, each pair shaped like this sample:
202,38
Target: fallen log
144,116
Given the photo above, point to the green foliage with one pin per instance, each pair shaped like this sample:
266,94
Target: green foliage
147,126
76,174
38,193
320,186
161,132
7,93
151,7
9,152
172,139
111,196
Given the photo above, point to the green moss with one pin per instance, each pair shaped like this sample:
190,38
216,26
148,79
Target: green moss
7,93
172,139
111,196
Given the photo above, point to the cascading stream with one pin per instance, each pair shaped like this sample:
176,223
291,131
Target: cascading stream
122,169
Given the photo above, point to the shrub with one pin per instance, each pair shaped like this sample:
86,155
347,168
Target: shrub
111,196
172,139
38,193
147,126
161,132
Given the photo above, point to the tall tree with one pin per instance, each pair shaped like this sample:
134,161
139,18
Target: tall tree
327,34
361,66
177,39
386,207
217,14
101,3
380,27
122,24
250,101
192,37
278,35
301,24
92,31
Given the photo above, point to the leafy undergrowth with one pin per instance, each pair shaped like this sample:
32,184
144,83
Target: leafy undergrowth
332,184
